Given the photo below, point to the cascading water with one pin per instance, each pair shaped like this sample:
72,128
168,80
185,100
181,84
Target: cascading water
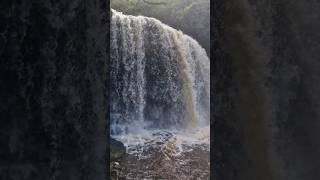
160,76
160,86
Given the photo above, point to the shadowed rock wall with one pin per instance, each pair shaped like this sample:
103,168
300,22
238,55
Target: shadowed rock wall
53,92
265,80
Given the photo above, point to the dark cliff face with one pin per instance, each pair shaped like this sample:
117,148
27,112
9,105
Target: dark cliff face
53,91
266,89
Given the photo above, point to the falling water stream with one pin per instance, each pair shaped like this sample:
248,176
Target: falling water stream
160,99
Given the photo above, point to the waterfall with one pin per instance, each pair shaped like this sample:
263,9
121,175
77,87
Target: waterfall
160,76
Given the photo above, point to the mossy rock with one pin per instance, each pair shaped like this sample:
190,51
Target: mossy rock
117,149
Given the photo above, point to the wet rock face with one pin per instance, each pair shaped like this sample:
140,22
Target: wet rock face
53,89
266,82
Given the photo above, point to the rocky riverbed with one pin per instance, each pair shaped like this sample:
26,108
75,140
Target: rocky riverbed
164,155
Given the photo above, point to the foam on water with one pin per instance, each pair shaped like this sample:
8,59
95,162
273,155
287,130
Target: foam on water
178,141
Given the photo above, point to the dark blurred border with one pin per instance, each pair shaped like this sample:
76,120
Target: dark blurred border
54,89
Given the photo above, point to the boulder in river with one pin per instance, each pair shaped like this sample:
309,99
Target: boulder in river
117,149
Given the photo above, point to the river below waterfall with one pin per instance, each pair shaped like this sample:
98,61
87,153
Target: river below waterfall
161,154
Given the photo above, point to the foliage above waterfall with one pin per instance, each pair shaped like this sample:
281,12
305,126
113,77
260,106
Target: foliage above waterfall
191,16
